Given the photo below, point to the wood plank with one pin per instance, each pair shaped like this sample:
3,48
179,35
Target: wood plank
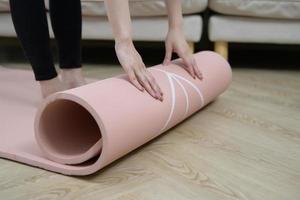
245,145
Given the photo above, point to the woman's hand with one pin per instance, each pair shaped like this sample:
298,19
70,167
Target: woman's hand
119,17
134,66
175,42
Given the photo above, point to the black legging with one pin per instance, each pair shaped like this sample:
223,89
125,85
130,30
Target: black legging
30,22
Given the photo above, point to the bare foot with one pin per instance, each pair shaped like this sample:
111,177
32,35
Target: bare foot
72,78
51,86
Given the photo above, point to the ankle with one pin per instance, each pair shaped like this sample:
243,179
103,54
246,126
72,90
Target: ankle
71,74
50,86
72,77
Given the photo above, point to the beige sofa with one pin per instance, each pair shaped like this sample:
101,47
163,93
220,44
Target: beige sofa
233,21
149,20
254,21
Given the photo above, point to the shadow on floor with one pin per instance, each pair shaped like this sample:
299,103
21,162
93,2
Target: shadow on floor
240,55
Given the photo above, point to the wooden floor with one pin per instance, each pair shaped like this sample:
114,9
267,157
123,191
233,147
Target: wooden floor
245,145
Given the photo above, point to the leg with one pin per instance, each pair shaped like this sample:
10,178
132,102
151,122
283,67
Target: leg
31,26
66,23
192,46
221,47
30,22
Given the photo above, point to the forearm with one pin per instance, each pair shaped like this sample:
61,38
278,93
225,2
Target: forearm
119,17
174,10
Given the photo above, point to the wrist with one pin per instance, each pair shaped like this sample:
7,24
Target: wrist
123,42
176,26
123,39
175,29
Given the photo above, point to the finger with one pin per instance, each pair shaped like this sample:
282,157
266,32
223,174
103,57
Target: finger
144,82
168,55
154,88
188,62
149,89
161,92
197,70
154,85
133,80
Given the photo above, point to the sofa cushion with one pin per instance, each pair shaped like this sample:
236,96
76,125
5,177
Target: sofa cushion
143,7
253,30
137,7
281,9
98,28
4,5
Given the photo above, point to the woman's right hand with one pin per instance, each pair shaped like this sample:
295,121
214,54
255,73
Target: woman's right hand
136,70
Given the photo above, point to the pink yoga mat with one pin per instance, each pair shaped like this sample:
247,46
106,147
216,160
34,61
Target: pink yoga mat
79,131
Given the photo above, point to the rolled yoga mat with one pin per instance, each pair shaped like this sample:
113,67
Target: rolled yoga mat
81,130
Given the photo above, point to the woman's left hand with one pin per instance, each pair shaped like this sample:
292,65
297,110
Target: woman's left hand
175,42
